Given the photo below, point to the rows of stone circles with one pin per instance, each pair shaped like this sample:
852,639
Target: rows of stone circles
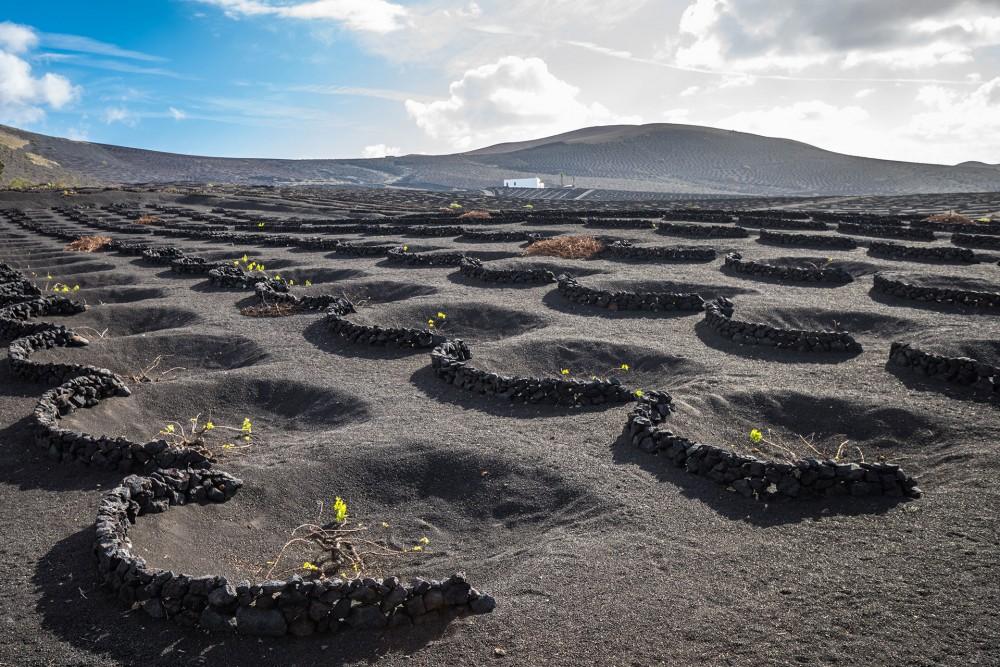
449,361
180,475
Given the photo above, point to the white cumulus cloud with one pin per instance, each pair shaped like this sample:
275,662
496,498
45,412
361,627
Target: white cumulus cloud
23,95
376,16
790,35
512,99
813,122
964,124
380,150
177,114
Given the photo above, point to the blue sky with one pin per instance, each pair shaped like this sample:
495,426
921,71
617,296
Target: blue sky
901,79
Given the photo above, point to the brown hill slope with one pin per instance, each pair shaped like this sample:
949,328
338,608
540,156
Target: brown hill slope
655,158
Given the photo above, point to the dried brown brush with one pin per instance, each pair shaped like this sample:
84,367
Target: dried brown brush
951,216
147,220
475,215
567,247
88,243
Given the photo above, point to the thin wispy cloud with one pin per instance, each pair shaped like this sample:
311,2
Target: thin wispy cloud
81,44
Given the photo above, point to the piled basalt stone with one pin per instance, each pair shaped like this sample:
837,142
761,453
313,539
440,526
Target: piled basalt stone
194,265
719,313
293,606
553,218
944,295
449,362
886,231
134,248
357,250
807,240
362,334
976,240
988,229
752,477
921,253
471,267
163,256
857,218
655,302
406,258
227,275
957,370
756,221
627,223
267,294
699,231
113,453
625,250
318,243
496,235
717,216
808,274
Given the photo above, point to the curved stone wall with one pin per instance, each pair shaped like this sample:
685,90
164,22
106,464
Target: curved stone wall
470,267
899,288
889,250
656,302
625,250
956,370
406,258
807,240
886,231
735,262
699,231
976,240
719,317
752,477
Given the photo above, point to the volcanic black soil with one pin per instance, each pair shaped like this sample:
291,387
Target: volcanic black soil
597,553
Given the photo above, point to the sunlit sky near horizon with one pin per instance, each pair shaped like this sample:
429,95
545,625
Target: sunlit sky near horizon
899,79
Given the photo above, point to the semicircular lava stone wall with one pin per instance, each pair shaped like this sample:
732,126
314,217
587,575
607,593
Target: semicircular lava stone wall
177,475
626,251
758,222
734,262
963,371
406,258
719,318
976,240
366,334
752,477
886,231
450,363
901,289
499,236
701,231
807,240
471,267
656,302
889,250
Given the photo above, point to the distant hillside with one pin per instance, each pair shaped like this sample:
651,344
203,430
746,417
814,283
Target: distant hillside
653,158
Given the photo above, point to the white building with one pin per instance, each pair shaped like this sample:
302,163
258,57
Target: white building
523,183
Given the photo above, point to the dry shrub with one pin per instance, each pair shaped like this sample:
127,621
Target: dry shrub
269,310
567,247
952,217
88,243
147,220
476,215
